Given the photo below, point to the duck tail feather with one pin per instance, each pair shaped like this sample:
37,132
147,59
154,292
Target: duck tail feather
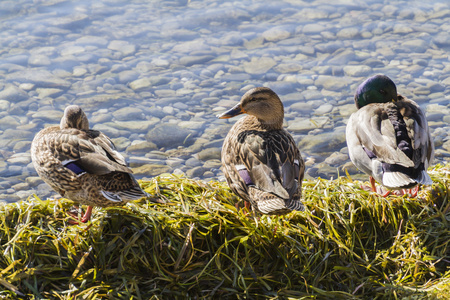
397,180
295,204
424,178
125,195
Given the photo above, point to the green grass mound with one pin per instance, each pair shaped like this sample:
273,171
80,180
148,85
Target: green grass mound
347,244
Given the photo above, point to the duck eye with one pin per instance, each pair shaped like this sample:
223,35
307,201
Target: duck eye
383,92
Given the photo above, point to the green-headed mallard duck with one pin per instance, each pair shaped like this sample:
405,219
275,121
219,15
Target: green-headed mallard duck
388,137
260,160
83,165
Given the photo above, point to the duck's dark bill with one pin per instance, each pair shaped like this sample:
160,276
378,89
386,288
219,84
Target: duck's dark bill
236,110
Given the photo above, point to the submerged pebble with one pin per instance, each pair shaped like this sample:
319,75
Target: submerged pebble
154,84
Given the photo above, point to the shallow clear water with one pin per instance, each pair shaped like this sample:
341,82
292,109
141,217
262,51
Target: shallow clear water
152,75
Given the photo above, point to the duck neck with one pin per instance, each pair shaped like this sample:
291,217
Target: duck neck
273,124
260,124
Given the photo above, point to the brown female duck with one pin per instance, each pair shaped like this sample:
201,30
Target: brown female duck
260,160
388,137
83,165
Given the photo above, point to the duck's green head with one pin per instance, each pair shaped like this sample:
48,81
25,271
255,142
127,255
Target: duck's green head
375,89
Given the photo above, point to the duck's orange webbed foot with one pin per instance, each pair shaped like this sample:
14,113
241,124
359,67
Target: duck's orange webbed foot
86,217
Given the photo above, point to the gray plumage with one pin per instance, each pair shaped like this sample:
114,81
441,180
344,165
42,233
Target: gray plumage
388,137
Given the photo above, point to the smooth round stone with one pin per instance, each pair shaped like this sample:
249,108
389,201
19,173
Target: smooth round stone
19,158
79,72
302,107
39,60
92,40
128,113
446,145
209,153
276,34
343,57
332,82
159,62
212,164
108,130
121,143
323,109
169,136
13,94
33,181
4,105
41,78
347,109
25,193
174,162
208,175
14,171
195,172
9,198
53,116
178,172
141,146
168,110
289,68
442,39
48,92
193,125
305,125
312,95
22,146
329,47
357,70
194,60
165,93
415,46
259,65
193,162
402,29
17,134
336,159
151,170
20,186
140,84
8,122
348,33
128,76
134,126
122,46
72,50
313,28
323,143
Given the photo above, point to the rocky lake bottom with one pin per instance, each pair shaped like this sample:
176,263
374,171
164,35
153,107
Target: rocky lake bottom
153,75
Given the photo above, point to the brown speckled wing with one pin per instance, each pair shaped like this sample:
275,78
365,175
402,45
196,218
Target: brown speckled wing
98,154
93,151
269,157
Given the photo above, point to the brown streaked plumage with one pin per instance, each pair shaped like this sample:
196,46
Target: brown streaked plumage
388,137
83,165
260,160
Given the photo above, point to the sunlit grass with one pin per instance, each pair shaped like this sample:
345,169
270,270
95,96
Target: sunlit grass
347,244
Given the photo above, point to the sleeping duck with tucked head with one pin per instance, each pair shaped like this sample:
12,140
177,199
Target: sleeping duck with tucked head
388,138
83,165
260,159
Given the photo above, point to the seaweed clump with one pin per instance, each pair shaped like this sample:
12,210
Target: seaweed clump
347,244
